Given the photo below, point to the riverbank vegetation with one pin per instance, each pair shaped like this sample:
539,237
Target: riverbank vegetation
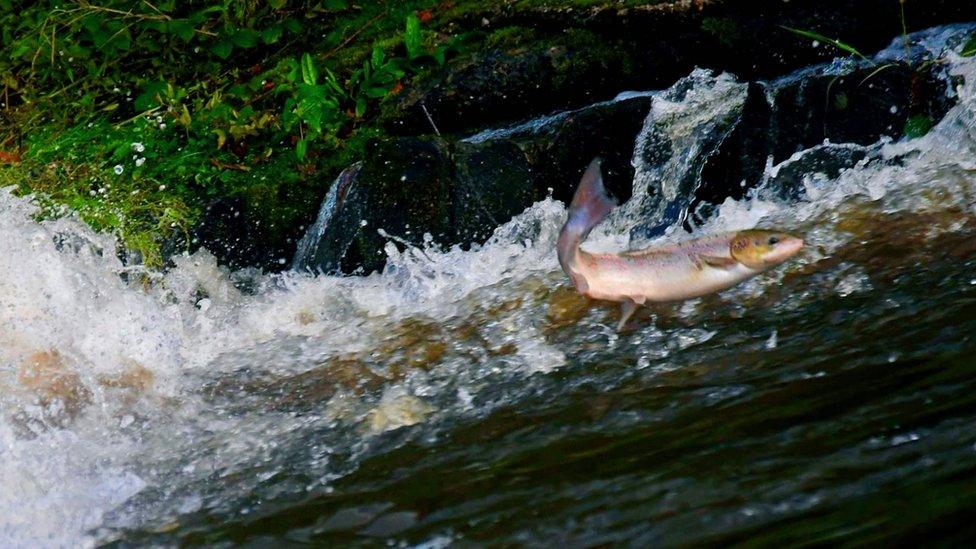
150,119
137,115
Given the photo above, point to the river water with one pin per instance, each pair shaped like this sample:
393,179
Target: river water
467,397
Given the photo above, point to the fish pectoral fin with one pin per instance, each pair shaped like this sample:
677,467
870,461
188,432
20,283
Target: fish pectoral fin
718,262
627,309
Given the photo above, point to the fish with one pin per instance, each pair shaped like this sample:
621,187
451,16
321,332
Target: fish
676,272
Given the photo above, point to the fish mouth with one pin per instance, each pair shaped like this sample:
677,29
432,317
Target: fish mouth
786,249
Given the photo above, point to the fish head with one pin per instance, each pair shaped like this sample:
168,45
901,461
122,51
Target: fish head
761,249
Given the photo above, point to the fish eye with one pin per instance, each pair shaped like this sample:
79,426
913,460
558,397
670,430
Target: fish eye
773,240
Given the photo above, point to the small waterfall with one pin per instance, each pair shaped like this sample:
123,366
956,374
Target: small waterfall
309,246
686,126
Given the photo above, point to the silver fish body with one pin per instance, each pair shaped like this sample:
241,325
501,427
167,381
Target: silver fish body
670,273
661,274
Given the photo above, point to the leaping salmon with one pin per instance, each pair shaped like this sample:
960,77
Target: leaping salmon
670,273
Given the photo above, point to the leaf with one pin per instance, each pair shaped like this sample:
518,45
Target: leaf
292,25
21,50
291,69
221,137
360,107
239,91
277,4
411,38
151,95
397,65
377,92
182,29
311,112
158,26
301,147
310,75
121,152
185,117
833,42
222,49
969,48
288,118
272,34
377,57
245,38
917,126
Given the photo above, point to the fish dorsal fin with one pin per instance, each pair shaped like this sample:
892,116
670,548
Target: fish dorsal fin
718,262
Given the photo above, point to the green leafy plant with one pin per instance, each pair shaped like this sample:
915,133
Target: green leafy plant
323,106
917,126
246,100
843,46
969,48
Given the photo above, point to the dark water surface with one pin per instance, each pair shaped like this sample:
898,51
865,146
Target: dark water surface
858,426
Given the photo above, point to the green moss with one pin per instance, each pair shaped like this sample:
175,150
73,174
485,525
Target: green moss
580,53
510,37
218,94
723,29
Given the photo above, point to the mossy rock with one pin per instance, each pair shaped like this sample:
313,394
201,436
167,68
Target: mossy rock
411,187
459,192
502,85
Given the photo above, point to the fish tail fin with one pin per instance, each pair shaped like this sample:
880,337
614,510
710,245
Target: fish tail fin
589,207
591,203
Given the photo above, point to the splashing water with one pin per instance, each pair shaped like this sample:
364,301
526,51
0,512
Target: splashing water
458,393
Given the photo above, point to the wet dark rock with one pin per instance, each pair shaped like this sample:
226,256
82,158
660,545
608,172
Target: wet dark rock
493,183
458,192
239,232
800,111
569,57
559,147
228,232
403,189
506,85
412,187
